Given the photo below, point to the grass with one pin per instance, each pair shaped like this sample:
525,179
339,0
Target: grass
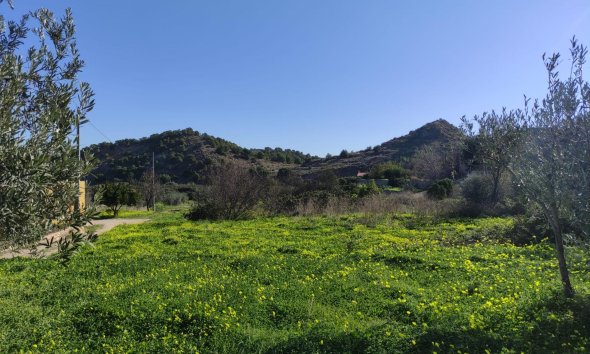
126,214
142,213
290,285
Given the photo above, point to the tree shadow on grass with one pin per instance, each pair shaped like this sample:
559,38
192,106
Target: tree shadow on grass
559,325
564,327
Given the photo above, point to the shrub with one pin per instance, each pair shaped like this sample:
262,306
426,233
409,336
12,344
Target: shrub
441,189
368,189
165,178
233,193
396,174
477,188
173,198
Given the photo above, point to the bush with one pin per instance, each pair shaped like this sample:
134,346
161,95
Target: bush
233,193
441,189
368,189
191,190
397,175
477,188
165,178
173,198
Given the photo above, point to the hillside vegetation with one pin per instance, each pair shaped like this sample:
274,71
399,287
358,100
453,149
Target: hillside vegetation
346,284
181,156
439,134
184,155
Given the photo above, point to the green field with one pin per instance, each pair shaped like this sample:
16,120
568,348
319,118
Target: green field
290,285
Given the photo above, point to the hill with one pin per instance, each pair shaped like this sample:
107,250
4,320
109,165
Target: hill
439,133
181,156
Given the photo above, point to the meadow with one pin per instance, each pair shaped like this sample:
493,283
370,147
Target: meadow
341,284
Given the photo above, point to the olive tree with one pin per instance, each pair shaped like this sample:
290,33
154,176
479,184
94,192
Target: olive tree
116,195
550,159
497,136
41,103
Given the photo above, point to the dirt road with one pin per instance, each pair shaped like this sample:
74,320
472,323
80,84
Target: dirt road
101,226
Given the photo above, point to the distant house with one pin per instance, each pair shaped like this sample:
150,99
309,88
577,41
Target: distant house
360,174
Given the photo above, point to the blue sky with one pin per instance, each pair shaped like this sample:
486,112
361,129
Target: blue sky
316,76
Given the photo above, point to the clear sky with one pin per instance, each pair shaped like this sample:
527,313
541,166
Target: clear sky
316,76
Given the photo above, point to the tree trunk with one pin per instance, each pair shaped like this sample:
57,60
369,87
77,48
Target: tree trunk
496,175
553,218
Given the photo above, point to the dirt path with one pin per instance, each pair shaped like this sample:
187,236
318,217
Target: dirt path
100,226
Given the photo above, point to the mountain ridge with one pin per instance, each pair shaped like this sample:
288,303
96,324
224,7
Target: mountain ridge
184,155
400,149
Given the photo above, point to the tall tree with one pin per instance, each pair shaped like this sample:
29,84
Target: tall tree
553,165
149,187
551,161
41,103
497,137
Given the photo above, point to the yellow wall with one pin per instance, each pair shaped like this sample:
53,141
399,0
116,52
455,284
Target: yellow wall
82,197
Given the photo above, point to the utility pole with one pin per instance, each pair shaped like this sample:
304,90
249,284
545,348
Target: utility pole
77,203
154,181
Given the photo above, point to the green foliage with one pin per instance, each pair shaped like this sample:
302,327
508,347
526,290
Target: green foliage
182,156
396,174
164,178
130,213
544,147
497,139
344,154
171,197
69,245
368,189
116,195
477,188
297,285
441,189
326,180
41,101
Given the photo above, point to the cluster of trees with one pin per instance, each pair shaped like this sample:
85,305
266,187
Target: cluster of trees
237,191
282,155
184,155
143,193
394,172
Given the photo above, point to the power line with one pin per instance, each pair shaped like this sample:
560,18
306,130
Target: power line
100,132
